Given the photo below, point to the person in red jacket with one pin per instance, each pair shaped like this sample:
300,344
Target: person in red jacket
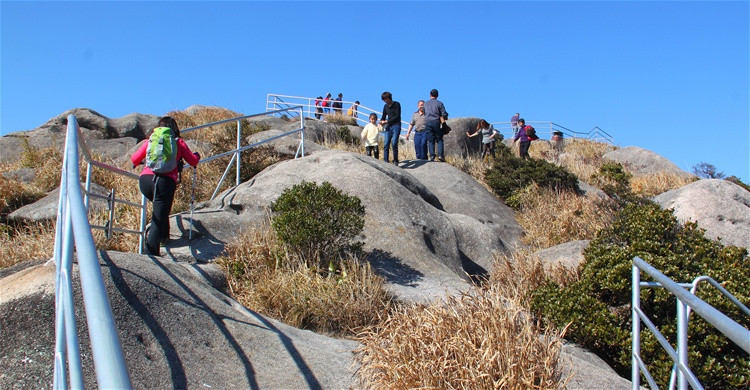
160,188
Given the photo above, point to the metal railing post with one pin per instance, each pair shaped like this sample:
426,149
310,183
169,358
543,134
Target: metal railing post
635,372
682,342
239,144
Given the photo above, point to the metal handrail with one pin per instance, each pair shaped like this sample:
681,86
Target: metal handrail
73,227
549,128
112,200
275,101
686,301
236,153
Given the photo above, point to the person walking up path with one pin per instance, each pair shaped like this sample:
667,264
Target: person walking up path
420,139
391,121
525,141
159,188
435,117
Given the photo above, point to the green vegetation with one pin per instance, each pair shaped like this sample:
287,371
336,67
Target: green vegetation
319,222
510,174
597,307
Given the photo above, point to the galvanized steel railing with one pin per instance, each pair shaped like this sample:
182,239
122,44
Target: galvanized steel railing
686,301
275,101
236,153
73,228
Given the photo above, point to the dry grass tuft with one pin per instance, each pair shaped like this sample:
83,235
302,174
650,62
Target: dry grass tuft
274,282
657,183
24,242
340,119
584,157
481,340
553,217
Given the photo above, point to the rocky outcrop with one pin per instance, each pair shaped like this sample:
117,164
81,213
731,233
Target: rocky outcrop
640,161
417,237
177,331
94,126
720,207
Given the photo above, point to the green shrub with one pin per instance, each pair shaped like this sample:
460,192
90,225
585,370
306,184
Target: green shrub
318,221
598,304
345,136
614,181
510,174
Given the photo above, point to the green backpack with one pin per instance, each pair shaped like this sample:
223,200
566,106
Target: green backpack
161,154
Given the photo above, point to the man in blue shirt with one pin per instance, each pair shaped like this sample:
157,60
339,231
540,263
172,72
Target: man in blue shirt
434,117
391,121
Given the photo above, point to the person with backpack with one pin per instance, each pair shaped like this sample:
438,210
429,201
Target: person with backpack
161,155
525,136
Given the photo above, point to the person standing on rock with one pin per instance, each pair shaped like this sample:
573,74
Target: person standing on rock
391,122
420,139
435,117
370,136
160,188
525,140
514,123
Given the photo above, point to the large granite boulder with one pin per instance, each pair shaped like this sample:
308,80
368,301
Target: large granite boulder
641,161
177,331
93,126
424,242
720,207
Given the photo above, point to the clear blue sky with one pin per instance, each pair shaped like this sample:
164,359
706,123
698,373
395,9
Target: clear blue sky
671,77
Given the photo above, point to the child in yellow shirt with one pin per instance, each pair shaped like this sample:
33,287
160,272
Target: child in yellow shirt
370,136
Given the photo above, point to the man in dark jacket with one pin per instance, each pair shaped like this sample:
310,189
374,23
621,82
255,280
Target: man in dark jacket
434,118
391,121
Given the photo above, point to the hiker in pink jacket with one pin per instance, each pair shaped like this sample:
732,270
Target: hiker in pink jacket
160,188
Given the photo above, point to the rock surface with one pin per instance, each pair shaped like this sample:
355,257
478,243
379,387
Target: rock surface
720,207
641,161
177,331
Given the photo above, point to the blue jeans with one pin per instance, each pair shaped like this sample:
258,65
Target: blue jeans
434,135
420,144
392,133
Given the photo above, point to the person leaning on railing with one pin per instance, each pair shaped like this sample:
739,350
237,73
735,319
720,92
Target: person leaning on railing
160,188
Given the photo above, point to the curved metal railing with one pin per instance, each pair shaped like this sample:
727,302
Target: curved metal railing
686,301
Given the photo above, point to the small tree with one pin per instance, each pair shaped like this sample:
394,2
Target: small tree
707,171
319,222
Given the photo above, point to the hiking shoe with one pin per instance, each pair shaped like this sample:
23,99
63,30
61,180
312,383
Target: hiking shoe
441,159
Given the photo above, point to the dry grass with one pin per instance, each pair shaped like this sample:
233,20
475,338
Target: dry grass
24,242
584,157
340,119
554,217
657,183
274,282
482,340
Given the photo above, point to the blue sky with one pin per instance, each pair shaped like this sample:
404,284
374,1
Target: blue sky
671,77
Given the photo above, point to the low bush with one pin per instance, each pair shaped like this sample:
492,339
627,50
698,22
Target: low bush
318,222
510,174
597,307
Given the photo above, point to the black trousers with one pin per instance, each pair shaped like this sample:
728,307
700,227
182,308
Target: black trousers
524,149
160,190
